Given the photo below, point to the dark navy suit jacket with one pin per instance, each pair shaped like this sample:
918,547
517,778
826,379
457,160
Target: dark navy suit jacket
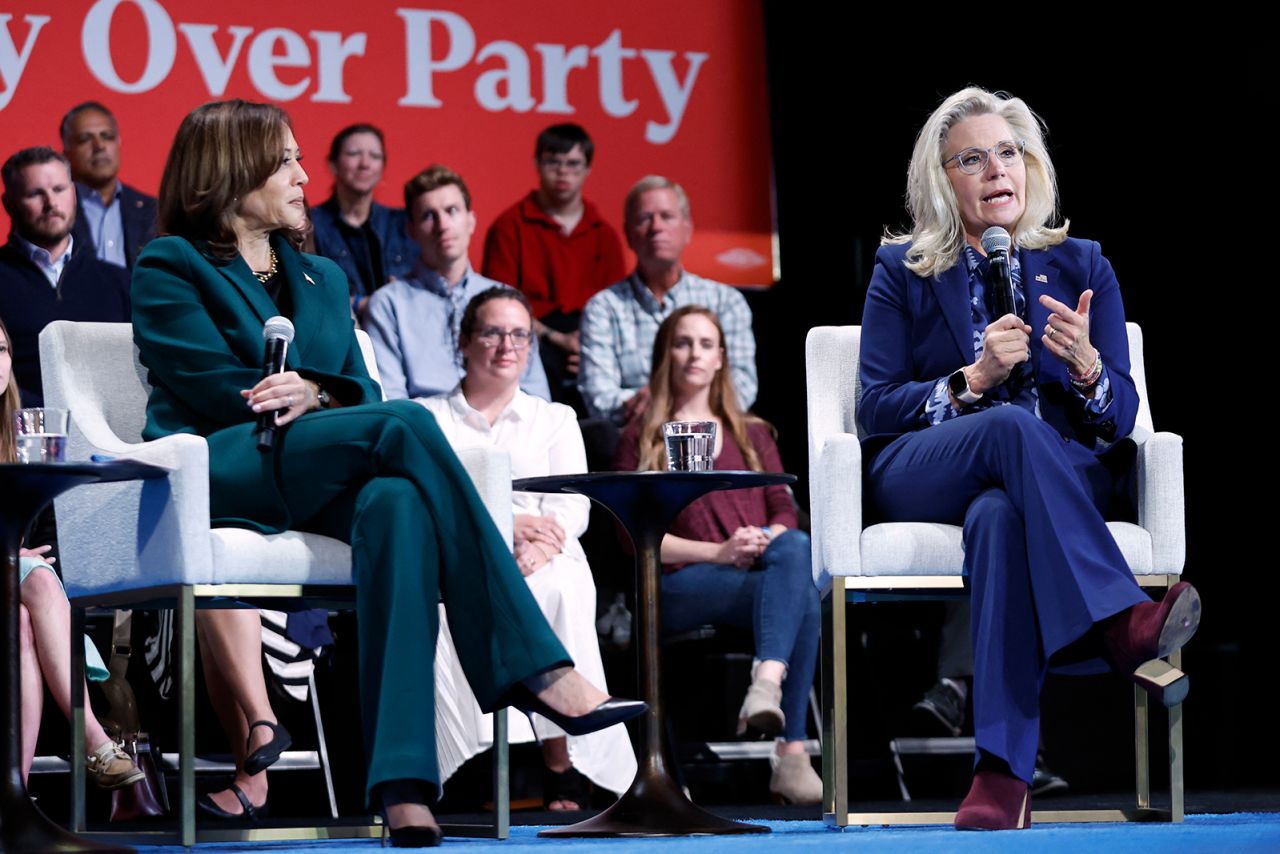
915,331
399,251
137,215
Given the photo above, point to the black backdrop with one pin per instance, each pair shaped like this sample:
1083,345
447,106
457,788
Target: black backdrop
1157,161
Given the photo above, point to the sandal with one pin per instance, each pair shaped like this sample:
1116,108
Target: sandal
266,755
567,785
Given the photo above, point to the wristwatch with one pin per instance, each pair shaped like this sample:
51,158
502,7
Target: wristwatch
323,398
959,385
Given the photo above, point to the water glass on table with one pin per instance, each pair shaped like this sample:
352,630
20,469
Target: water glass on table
691,445
41,434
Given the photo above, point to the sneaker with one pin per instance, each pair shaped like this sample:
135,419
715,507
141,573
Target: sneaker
1044,782
942,705
109,767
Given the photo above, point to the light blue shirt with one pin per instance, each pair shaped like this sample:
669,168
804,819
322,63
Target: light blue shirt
414,324
106,226
620,323
41,258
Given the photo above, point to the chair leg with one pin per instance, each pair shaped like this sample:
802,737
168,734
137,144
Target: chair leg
322,744
1142,746
501,775
186,678
1177,791
835,717
77,721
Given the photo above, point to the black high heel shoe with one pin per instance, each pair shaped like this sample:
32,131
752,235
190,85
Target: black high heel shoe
267,755
398,792
611,711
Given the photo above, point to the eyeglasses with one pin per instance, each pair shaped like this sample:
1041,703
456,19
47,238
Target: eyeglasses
971,161
572,165
491,336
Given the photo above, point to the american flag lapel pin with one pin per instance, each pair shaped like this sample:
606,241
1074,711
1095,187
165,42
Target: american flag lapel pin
1042,278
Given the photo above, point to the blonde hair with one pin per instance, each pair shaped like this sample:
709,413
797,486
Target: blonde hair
937,233
10,402
723,398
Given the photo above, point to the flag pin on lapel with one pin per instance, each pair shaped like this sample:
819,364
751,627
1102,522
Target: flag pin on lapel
309,279
1042,278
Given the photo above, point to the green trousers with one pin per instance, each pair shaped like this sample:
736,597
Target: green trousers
382,478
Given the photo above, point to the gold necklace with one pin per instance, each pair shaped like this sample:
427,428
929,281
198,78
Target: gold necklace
271,271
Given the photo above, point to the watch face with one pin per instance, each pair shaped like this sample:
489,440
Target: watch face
959,385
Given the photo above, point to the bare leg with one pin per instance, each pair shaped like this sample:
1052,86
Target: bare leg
50,622
568,692
32,690
231,655
555,755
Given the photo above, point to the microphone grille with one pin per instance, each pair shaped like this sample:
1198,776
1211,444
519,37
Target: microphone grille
278,327
996,239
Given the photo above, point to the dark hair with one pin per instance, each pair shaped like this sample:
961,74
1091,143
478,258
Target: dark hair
489,295
10,402
560,139
433,177
95,106
335,147
33,156
222,152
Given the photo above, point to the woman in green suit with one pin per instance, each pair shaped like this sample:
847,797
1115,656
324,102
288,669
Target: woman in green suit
377,475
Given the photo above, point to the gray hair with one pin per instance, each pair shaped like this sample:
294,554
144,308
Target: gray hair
87,106
653,182
937,233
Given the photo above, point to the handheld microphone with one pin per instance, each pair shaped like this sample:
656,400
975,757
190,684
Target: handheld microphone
277,333
996,243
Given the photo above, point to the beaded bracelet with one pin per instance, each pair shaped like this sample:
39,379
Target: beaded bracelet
1090,379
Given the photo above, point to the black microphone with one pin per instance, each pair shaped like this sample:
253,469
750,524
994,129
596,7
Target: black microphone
996,243
277,332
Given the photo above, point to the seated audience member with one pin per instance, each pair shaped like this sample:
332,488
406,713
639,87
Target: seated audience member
44,631
734,557
619,323
488,410
367,240
46,274
415,321
111,216
554,246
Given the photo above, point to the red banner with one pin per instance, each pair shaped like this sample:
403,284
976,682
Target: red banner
665,87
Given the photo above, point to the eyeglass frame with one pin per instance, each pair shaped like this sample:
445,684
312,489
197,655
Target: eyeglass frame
1019,144
554,163
499,335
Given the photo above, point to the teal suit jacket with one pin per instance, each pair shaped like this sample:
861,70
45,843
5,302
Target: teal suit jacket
198,322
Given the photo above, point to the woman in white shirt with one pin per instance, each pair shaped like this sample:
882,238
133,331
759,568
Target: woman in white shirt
489,410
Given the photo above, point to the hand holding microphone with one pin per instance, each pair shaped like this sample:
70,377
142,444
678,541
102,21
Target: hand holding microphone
282,395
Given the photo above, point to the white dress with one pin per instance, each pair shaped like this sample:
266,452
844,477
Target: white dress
542,439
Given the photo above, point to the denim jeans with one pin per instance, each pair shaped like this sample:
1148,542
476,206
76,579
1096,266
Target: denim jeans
776,599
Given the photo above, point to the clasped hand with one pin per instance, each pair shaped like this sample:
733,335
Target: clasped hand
744,547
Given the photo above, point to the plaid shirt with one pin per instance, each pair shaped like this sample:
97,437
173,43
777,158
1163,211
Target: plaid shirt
620,323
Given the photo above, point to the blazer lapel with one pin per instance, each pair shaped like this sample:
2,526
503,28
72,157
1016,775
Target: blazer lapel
951,288
308,314
1040,275
237,272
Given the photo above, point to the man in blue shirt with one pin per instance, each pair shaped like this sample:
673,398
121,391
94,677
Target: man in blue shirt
113,218
414,322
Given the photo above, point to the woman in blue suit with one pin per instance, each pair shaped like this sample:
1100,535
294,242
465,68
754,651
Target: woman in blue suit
1012,424
376,475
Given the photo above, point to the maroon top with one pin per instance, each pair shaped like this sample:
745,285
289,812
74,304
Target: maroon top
714,517
526,248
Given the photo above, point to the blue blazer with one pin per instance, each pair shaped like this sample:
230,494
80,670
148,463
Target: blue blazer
915,331
137,215
399,251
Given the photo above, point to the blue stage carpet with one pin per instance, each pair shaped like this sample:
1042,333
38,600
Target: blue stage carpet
1212,834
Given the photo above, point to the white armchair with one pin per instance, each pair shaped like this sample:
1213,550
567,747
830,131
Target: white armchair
906,560
149,543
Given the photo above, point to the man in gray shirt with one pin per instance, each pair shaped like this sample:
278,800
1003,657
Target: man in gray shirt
415,322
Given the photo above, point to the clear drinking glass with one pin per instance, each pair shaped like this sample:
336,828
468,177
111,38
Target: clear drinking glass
691,445
41,434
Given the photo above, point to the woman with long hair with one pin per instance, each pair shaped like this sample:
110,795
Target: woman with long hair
735,557
44,631
378,476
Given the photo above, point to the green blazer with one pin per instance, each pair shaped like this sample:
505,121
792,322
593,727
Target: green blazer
198,322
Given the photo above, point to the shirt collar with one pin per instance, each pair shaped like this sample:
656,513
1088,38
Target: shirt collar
434,282
519,409
88,195
646,297
40,256
532,211
973,259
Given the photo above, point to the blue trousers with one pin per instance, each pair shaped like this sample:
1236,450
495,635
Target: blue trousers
1042,566
777,600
